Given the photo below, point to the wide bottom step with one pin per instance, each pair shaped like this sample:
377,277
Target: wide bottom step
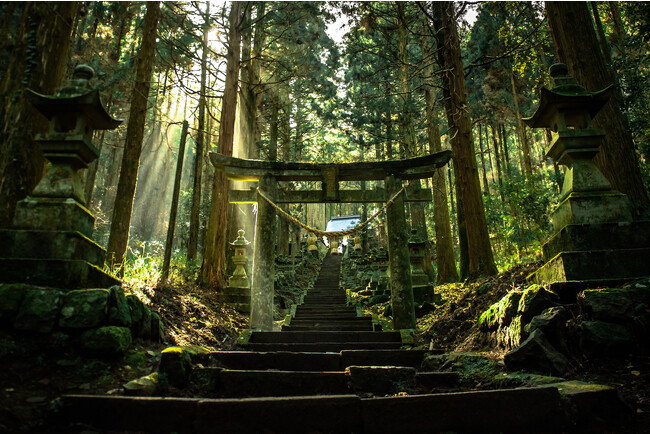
515,410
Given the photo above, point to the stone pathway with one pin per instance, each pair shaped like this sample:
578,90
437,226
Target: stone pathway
330,371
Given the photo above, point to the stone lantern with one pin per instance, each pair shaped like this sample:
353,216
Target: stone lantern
594,237
567,110
238,291
239,278
50,241
416,252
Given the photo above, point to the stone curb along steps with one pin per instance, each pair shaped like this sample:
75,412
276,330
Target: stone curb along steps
330,375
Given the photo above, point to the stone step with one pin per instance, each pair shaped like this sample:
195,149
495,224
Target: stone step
317,361
325,347
228,383
326,315
329,327
515,410
354,320
323,336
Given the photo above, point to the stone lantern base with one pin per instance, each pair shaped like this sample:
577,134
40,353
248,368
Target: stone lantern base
596,252
239,298
50,246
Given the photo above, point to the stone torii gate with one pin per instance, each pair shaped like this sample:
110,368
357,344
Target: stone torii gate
268,173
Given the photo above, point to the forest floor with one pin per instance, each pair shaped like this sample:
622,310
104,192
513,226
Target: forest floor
35,370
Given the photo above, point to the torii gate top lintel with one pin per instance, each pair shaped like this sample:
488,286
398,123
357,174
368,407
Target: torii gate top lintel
330,175
238,169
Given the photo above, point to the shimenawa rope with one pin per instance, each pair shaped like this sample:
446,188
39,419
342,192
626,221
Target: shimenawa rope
318,232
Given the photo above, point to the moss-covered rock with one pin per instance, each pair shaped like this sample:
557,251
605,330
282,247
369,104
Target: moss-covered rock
607,304
137,308
198,354
175,366
599,338
107,340
12,295
137,360
512,335
119,313
143,386
84,308
523,379
39,310
537,354
157,328
553,322
534,300
500,313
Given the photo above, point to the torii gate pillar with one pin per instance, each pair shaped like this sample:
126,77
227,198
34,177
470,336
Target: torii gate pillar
399,258
264,260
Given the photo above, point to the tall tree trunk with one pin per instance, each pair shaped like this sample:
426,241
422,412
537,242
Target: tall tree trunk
521,129
37,63
169,243
602,39
481,261
193,242
497,158
446,264
577,46
120,223
214,258
486,188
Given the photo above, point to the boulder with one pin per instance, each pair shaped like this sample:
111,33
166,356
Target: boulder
39,310
553,323
599,338
380,380
12,295
137,310
500,313
84,308
157,328
537,354
534,300
107,340
175,366
119,313
511,336
143,386
607,304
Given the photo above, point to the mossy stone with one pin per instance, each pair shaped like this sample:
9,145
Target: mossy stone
137,308
198,354
143,386
39,310
157,328
176,366
119,313
599,338
107,340
12,295
500,313
136,360
84,308
534,300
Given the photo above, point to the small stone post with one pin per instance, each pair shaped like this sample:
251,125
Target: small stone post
398,256
264,261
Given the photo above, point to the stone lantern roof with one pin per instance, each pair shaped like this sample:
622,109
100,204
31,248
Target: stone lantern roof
240,241
565,95
77,98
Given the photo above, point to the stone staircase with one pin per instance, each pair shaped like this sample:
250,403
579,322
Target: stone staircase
330,371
